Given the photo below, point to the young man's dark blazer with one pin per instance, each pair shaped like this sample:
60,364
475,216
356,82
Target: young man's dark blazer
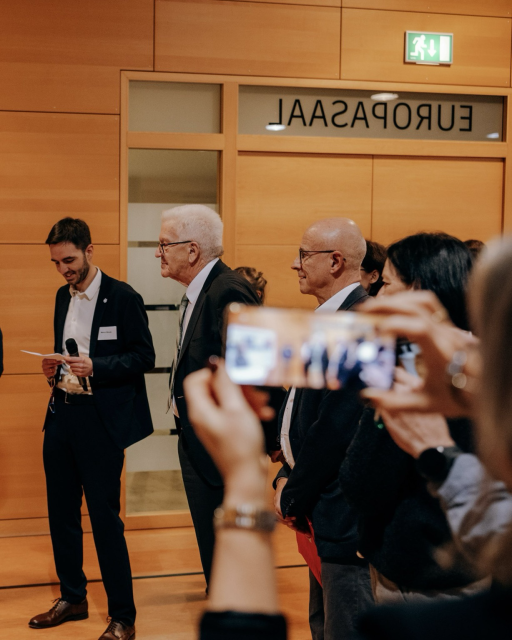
323,424
204,337
117,383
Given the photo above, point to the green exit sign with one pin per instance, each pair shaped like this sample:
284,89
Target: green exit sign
428,48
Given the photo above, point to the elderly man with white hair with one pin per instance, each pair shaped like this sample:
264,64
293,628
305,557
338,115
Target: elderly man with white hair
190,246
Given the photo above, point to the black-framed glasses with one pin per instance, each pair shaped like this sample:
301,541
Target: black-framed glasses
162,245
304,253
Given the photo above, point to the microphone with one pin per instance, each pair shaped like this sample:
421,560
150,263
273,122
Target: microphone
72,349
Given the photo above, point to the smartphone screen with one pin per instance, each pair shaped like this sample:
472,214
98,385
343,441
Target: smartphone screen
291,347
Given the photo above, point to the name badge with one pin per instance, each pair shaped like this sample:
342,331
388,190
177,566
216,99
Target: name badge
107,333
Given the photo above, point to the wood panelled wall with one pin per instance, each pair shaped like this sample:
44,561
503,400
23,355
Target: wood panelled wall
60,145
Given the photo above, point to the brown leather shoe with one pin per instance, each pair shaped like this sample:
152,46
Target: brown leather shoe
61,611
118,631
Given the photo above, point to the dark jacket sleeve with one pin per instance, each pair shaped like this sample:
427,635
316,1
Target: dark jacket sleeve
237,625
234,290
138,355
322,451
375,468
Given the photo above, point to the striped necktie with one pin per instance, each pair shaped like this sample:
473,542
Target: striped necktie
179,336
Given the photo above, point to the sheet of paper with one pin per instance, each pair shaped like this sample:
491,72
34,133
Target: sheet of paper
53,356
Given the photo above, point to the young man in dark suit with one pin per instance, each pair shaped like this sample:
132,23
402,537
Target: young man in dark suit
98,407
316,428
189,250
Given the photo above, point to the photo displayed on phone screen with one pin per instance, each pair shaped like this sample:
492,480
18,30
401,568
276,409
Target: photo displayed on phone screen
291,347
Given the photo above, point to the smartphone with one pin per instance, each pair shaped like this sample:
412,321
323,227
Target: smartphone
291,347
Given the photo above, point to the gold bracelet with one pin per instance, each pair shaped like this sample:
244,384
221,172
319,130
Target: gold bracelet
244,516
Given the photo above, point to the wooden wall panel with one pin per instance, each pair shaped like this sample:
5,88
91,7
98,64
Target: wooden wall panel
279,196
372,48
209,36
497,8
462,197
54,165
315,3
28,284
23,402
66,56
275,261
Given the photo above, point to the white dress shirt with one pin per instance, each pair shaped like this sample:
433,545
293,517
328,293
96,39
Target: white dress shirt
192,293
78,325
330,305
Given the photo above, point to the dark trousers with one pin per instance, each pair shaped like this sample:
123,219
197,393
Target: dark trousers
202,501
80,457
334,607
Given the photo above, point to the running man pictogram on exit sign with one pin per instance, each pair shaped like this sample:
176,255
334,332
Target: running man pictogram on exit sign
428,48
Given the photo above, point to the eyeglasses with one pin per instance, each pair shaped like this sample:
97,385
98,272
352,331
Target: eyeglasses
162,246
305,253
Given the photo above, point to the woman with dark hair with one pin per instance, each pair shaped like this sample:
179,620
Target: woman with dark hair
256,278
402,526
434,262
371,267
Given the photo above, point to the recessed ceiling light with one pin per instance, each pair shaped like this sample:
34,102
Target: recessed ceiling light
275,127
493,136
384,97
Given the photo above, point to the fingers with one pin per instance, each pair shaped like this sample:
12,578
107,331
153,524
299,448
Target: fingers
228,394
394,401
408,381
198,385
258,400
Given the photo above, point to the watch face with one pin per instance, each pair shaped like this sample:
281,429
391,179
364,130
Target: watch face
433,465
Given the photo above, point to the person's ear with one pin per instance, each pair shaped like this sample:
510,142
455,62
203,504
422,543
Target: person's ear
336,261
89,251
374,276
193,252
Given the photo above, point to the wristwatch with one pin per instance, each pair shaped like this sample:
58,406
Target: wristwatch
244,516
435,464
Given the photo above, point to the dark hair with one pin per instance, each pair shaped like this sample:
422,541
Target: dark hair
436,262
374,261
475,246
255,278
71,230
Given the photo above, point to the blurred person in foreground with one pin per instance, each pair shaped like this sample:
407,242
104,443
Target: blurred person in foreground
189,250
372,266
466,379
316,427
402,526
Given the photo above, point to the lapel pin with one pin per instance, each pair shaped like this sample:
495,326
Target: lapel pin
104,300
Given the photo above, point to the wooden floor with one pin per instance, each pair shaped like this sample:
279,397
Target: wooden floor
169,586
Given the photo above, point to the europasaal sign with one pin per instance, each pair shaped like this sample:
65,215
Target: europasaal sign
287,111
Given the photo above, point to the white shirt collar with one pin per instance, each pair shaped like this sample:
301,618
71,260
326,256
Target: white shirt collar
194,288
91,290
335,301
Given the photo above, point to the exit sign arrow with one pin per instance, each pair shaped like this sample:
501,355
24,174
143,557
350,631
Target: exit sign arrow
424,47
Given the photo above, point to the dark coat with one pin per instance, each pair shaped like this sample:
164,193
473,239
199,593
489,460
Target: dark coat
487,616
117,383
203,338
401,523
322,426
